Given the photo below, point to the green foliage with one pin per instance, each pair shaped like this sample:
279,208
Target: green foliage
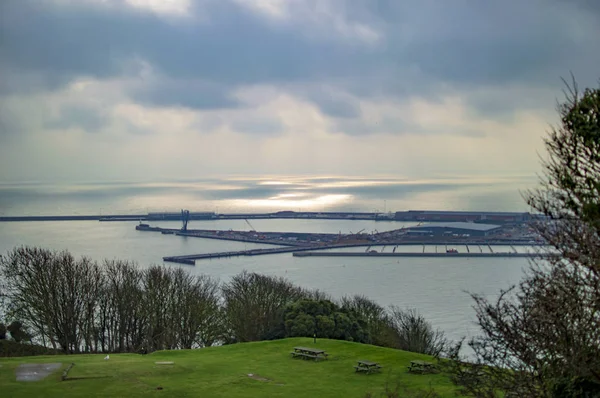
325,319
325,325
300,325
399,389
9,348
18,332
577,387
2,331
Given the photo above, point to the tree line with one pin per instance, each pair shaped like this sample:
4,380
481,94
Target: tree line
77,305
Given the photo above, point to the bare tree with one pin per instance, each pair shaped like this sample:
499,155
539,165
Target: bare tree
180,310
121,321
254,305
195,309
157,303
376,318
414,333
54,294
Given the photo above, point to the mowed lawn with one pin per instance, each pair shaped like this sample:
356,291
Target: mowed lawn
223,372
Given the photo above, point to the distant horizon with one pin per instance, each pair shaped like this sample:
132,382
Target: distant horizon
198,212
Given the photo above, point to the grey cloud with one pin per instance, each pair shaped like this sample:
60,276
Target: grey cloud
10,123
250,124
397,125
235,47
387,125
333,104
198,95
209,123
257,125
427,45
90,120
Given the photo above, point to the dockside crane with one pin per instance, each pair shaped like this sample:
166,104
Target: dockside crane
185,218
352,233
251,227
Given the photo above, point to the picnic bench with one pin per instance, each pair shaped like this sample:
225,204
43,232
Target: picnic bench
418,366
308,353
367,367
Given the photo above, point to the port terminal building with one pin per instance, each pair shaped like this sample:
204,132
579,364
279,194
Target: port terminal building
177,216
462,216
452,229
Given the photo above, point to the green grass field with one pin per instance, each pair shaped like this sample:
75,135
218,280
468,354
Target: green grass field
223,372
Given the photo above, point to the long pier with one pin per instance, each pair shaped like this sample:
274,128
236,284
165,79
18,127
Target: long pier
318,251
191,258
414,254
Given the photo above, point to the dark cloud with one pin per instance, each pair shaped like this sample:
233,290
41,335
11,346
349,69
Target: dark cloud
335,106
425,45
197,95
84,39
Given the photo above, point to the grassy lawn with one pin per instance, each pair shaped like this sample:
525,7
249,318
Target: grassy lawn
223,372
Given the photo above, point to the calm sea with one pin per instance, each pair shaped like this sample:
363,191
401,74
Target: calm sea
436,287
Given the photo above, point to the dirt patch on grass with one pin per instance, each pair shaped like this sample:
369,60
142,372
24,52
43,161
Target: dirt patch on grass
35,371
257,377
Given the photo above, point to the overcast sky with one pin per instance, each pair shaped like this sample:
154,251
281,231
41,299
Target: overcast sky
162,89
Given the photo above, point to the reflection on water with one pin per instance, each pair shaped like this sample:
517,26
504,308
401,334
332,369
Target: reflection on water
266,194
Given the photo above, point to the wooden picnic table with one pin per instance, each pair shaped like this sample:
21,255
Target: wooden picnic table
419,366
309,353
367,367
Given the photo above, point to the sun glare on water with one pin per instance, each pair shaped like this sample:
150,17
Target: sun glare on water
293,201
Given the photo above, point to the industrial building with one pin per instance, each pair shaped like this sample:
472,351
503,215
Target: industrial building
178,216
452,229
462,216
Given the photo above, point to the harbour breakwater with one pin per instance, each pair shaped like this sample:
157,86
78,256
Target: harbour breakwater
314,252
410,215
414,254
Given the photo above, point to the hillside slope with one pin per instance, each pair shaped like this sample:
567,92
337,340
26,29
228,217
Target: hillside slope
223,372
